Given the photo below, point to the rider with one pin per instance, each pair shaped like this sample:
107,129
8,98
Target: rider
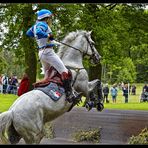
41,31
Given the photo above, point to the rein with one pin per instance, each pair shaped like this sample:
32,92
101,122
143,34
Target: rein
69,46
91,46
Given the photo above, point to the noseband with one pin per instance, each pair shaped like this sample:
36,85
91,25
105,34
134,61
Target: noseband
92,49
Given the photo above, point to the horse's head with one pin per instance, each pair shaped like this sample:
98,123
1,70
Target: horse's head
82,42
90,49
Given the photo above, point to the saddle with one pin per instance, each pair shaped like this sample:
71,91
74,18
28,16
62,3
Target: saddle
52,85
52,76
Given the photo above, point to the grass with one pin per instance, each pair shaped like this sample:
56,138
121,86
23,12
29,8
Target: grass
127,106
6,101
133,101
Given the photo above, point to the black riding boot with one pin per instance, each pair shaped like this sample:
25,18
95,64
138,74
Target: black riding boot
70,96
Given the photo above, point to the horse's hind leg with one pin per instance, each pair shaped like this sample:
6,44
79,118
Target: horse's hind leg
13,136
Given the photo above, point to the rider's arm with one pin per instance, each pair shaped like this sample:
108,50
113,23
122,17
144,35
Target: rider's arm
30,32
41,30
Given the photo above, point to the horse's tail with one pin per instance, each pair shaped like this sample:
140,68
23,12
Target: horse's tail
5,122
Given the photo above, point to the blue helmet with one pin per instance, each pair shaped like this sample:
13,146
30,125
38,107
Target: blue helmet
43,13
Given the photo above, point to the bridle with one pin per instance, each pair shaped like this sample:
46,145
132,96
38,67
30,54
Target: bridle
91,47
77,70
94,55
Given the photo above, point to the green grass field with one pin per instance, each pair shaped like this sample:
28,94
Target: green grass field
133,101
6,101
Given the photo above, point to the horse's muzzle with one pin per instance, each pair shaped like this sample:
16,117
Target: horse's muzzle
95,59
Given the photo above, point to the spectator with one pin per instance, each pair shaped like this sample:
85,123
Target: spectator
125,92
24,85
114,92
129,89
4,83
14,83
122,85
106,92
9,87
145,92
133,89
145,88
1,86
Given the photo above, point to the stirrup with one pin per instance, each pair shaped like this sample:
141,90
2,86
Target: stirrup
74,97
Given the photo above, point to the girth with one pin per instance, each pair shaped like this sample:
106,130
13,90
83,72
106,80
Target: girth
77,70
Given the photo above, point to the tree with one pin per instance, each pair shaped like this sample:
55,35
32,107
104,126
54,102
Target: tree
18,18
119,31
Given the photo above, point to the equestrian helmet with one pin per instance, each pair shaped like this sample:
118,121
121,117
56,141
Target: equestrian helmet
43,13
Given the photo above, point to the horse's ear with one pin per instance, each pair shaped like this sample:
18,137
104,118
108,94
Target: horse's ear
90,32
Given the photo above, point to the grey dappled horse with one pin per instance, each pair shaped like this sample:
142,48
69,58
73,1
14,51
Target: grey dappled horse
29,113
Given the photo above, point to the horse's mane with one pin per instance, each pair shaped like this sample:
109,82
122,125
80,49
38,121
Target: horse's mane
68,40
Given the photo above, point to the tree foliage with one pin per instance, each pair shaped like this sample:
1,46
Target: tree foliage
120,32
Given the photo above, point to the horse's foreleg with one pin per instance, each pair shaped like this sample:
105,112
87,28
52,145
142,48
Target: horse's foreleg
95,84
99,104
99,91
88,91
92,84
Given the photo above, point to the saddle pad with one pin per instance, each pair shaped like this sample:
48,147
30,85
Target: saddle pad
53,90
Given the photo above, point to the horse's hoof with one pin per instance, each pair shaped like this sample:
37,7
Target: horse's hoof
99,107
89,106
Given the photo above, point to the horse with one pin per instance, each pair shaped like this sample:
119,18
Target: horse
28,114
81,81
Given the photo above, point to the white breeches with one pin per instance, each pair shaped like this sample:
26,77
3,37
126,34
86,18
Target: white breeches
49,58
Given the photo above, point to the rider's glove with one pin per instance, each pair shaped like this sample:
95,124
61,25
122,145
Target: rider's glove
50,36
